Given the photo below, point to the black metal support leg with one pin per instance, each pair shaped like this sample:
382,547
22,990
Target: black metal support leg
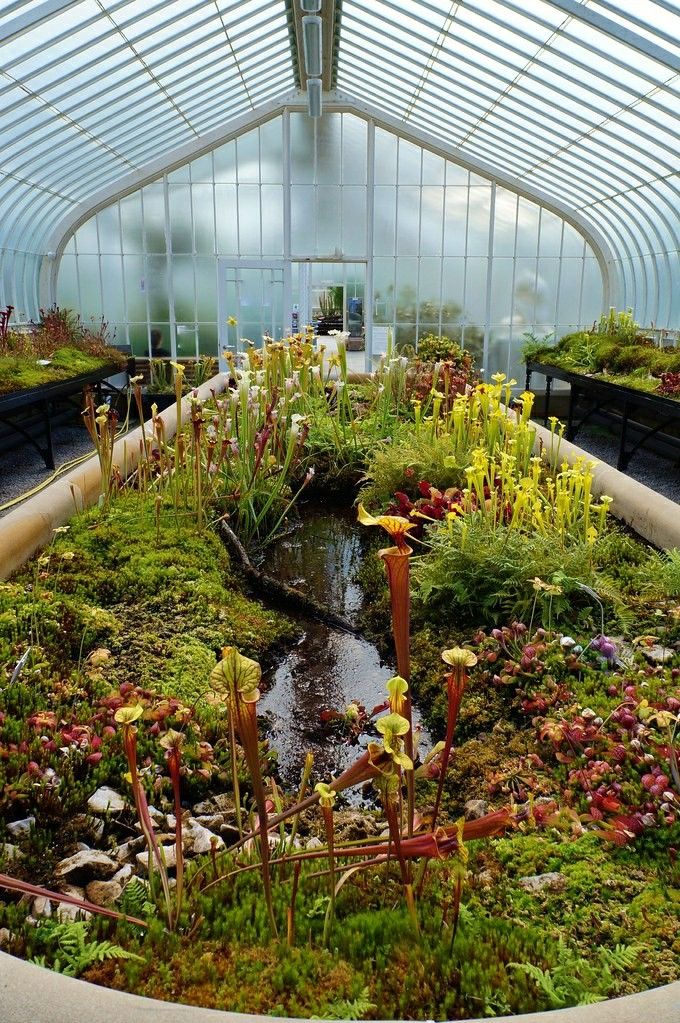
570,417
528,380
623,457
48,453
546,410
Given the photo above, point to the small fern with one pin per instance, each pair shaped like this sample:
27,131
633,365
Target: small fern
348,1008
135,899
71,952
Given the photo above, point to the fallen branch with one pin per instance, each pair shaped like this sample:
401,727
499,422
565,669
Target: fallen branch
279,590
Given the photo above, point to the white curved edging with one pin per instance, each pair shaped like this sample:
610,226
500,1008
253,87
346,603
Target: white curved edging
31,526
654,517
30,994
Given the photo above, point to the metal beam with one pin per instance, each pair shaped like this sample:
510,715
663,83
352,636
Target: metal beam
620,32
29,19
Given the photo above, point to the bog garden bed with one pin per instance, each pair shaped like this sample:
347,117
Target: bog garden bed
525,861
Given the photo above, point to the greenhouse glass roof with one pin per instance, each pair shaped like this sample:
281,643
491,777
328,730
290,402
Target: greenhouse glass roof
573,103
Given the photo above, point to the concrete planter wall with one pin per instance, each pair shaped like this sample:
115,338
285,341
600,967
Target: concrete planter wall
29,994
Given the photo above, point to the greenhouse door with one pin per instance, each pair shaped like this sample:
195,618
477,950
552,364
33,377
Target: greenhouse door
252,297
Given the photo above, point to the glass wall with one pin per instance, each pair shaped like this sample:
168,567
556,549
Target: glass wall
447,251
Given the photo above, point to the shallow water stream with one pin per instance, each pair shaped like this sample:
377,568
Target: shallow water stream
328,668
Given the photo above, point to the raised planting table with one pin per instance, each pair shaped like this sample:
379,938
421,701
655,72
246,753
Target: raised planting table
29,414
640,416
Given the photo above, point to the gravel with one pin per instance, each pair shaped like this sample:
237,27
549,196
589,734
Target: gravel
656,472
24,468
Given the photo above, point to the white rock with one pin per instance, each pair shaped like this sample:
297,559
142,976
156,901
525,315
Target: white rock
476,808
314,843
170,857
89,861
124,874
10,852
106,800
537,883
5,937
22,828
41,906
198,840
67,912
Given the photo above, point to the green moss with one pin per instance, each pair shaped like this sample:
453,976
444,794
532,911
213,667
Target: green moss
21,372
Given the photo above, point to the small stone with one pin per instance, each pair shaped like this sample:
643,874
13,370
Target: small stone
476,808
658,654
82,847
566,642
5,937
87,826
537,883
67,912
124,874
9,852
41,907
314,843
221,803
22,828
588,714
99,656
355,824
126,851
212,821
106,800
87,861
198,840
104,893
169,853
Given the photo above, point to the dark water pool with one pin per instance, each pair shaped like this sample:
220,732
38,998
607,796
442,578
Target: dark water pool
328,668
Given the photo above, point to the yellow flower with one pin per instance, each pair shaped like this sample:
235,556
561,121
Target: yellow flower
395,525
232,321
458,657
392,727
128,715
397,688
178,367
327,795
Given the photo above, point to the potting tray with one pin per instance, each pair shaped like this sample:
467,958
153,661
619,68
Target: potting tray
643,419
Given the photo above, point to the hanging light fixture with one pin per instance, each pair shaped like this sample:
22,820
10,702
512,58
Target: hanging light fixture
310,6
311,44
314,103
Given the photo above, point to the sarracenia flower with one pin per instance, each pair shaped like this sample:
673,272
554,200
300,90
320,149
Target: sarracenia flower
327,795
128,715
392,727
397,688
395,525
458,657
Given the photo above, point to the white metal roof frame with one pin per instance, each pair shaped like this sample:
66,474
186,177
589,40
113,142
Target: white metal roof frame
571,103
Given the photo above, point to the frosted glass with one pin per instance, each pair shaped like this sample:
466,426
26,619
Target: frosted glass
327,220
249,220
203,206
302,219
156,269
225,163
179,199
154,218
90,285
272,220
206,289
408,214
354,150
68,296
479,218
112,279
385,157
248,157
409,163
109,229
328,150
207,339
302,148
385,199
271,151
183,286
131,221
431,217
135,287
353,220
226,219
